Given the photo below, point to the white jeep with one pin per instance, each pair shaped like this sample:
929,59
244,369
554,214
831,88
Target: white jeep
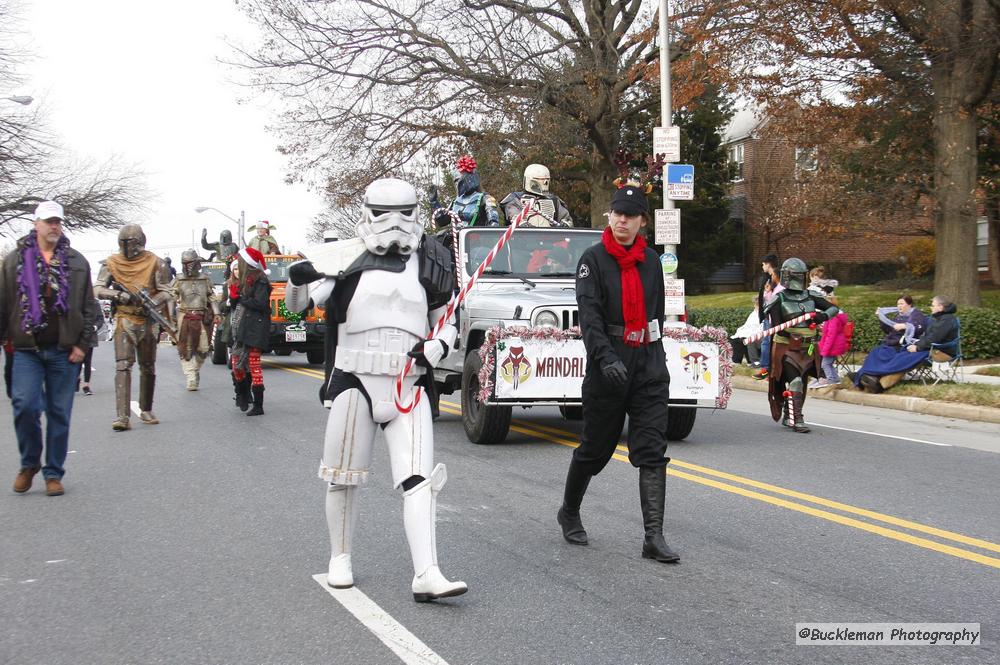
529,288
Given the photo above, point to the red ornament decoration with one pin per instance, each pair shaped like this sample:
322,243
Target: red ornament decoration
787,393
466,164
812,326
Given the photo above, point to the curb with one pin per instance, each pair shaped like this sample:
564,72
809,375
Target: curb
986,414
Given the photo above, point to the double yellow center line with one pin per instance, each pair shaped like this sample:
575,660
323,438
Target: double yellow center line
775,495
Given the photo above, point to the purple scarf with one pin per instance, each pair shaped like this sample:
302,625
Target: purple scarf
33,273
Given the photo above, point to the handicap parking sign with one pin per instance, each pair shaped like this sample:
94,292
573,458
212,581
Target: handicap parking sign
680,182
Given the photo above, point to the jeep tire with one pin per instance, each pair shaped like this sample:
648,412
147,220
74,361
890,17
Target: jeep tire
571,412
315,356
484,425
220,353
680,420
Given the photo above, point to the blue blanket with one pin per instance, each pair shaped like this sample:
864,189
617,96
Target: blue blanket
889,360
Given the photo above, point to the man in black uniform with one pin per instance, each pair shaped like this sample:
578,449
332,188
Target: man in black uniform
619,291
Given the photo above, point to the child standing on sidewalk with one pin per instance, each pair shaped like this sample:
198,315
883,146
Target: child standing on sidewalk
833,340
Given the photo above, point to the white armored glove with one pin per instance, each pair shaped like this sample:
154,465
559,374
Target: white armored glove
429,352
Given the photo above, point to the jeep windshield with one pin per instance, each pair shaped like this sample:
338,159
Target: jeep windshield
277,267
536,254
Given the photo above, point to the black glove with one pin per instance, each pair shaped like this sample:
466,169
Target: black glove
821,317
417,353
303,272
615,373
125,298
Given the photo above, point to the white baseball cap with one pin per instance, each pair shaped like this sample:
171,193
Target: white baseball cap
48,210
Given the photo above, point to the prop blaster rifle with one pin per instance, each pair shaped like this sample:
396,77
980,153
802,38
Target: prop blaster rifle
149,306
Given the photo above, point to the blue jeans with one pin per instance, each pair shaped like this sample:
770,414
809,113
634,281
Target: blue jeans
44,380
829,365
765,353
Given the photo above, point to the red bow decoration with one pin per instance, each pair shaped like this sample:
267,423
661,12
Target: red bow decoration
466,164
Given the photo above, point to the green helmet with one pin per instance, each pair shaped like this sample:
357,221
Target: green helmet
793,274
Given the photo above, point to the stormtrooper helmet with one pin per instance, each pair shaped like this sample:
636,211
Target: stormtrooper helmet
536,179
190,263
389,218
793,274
131,241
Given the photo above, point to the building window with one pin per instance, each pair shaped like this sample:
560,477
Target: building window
982,243
806,159
736,161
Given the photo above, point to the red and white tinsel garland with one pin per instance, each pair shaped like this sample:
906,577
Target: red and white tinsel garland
689,334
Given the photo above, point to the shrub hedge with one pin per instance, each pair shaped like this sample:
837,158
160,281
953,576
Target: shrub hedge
980,326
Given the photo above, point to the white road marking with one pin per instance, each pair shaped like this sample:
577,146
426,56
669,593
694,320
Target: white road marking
888,436
403,643
56,560
135,408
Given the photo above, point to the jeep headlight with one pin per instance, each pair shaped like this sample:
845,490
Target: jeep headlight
547,319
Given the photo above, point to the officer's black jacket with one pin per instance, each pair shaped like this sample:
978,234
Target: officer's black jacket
599,299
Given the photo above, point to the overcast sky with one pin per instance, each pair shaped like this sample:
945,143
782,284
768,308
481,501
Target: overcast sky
141,81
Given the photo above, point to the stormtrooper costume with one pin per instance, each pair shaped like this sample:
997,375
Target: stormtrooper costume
536,192
384,292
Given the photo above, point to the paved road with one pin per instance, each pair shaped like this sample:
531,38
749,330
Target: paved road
195,541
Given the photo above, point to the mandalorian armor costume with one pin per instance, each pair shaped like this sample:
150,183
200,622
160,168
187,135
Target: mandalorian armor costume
224,250
197,310
794,351
133,269
386,296
536,192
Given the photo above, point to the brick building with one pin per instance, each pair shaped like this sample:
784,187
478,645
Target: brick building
769,174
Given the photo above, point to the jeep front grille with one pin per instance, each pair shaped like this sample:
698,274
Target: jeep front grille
570,318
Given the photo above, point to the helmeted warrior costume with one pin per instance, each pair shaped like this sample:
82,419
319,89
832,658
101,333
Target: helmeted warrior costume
536,191
472,205
383,294
135,269
794,351
197,309
224,250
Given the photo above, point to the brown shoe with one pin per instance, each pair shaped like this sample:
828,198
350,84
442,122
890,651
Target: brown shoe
22,482
121,425
54,487
148,418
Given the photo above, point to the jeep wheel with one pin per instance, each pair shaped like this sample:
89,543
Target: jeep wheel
483,424
571,412
315,356
680,420
282,352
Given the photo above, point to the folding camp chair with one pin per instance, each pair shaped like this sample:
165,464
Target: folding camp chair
846,361
944,363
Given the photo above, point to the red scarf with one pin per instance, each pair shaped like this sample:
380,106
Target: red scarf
633,300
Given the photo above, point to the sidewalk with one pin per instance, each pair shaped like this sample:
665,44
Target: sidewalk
912,404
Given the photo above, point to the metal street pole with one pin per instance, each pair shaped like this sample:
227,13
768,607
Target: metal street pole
243,242
666,108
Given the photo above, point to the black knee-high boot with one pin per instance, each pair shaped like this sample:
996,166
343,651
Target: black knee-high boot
577,480
258,401
242,389
652,496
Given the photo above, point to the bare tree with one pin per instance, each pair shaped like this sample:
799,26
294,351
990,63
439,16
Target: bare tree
34,168
373,82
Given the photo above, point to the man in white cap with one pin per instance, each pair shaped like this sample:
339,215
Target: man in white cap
264,242
47,310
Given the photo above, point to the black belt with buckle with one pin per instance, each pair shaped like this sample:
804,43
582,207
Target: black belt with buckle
619,331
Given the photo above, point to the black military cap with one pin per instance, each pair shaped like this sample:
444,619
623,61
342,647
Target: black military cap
629,200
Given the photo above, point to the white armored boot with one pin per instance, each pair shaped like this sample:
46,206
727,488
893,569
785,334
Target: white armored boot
341,515
419,508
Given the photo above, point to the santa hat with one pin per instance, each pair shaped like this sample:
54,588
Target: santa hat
262,224
253,258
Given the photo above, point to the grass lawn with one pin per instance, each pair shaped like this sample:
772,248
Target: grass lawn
852,299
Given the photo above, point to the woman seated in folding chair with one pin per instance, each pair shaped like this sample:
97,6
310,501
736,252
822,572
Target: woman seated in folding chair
942,331
904,328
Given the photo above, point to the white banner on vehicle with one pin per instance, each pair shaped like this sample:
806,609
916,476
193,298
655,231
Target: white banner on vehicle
553,369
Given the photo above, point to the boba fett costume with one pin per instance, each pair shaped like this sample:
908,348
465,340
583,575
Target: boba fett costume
197,310
794,351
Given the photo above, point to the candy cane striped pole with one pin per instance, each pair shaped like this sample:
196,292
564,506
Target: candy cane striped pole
776,329
453,303
790,405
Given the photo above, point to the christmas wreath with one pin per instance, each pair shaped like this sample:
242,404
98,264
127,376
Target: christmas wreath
283,312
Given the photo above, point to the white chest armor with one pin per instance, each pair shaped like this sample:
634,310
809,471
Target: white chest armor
544,205
386,317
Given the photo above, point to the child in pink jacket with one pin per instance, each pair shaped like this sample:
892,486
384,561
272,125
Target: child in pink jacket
832,343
